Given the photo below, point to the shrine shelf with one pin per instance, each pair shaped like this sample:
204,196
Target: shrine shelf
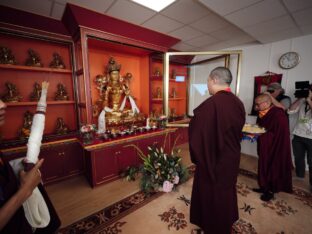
24,78
178,87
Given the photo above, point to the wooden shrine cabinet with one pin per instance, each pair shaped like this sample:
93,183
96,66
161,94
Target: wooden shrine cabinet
62,152
97,38
62,159
105,161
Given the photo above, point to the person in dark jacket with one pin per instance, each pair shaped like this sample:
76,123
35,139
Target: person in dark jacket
215,133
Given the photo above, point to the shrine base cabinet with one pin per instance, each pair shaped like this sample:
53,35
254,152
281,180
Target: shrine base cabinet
106,164
61,160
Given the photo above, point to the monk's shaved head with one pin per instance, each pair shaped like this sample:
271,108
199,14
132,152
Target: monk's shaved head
264,98
263,102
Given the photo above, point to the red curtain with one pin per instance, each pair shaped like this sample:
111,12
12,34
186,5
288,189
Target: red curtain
261,83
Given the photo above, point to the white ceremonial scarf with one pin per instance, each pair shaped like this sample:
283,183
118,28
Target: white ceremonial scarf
101,120
35,208
134,107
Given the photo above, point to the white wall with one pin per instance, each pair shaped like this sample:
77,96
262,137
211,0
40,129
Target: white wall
199,75
257,59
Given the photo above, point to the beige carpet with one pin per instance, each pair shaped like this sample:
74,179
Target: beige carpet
169,213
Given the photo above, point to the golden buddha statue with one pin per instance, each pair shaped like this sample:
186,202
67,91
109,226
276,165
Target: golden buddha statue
12,94
36,94
61,93
6,56
33,59
57,62
114,91
115,88
61,127
24,132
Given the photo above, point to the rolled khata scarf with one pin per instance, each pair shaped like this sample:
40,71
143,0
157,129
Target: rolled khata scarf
37,127
35,208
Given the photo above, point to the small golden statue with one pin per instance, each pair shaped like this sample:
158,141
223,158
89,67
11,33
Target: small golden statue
173,74
6,56
12,94
61,127
36,94
157,72
33,59
27,122
173,113
173,93
57,62
61,93
158,93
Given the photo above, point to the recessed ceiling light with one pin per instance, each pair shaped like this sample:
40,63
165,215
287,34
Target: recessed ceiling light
156,5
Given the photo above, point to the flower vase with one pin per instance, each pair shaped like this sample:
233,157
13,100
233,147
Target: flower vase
87,137
162,124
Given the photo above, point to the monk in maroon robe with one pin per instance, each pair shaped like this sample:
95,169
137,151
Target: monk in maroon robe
275,163
215,133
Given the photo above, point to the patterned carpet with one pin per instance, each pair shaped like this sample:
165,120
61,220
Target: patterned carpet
169,213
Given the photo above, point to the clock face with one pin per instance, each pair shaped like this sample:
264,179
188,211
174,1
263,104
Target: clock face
289,60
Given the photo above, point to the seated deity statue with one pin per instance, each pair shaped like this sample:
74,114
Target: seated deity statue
115,89
12,94
61,127
173,93
6,56
57,62
27,122
157,72
114,93
61,93
36,94
33,59
158,93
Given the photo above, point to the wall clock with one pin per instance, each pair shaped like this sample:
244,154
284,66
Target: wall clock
289,60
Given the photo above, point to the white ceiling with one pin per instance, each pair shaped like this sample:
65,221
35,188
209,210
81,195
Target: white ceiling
200,24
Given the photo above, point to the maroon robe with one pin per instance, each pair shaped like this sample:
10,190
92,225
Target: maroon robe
215,133
275,163
18,223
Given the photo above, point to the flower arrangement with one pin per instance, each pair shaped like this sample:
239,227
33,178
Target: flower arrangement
162,119
88,128
160,171
87,131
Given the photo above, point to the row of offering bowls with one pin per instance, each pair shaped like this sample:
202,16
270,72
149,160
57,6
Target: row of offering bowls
127,132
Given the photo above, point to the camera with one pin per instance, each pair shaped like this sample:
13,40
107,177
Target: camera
302,89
